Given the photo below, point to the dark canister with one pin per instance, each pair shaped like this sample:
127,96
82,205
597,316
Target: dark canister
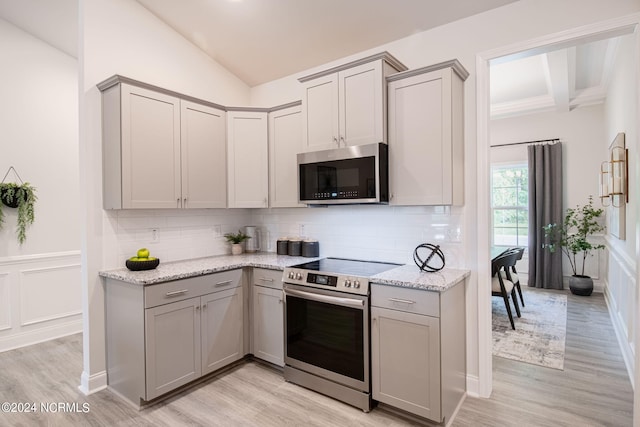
310,248
295,247
282,246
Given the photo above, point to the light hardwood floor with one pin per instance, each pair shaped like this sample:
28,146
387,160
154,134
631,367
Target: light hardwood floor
593,390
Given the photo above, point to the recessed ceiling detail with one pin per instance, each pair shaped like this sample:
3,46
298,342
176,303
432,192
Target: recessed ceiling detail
560,80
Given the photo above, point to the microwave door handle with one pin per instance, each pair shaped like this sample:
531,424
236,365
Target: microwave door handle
346,302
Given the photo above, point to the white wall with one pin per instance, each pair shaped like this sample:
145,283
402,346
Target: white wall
122,37
39,280
621,115
465,39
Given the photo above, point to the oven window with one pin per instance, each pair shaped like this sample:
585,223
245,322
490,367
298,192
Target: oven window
326,335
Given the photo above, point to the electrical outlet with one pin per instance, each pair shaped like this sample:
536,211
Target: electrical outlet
301,228
217,230
155,235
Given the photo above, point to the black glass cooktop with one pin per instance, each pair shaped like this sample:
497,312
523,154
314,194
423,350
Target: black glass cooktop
350,267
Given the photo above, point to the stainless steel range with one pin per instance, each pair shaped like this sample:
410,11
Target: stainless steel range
327,341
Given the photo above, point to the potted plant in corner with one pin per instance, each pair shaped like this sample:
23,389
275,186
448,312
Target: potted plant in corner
572,236
236,240
23,197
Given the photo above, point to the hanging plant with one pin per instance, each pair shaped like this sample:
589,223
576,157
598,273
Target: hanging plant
20,196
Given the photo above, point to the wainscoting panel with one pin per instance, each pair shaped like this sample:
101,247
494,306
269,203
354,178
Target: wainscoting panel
620,290
49,293
40,298
5,304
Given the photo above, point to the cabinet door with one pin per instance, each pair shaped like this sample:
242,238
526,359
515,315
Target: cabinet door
150,149
222,329
247,148
361,105
204,160
420,146
320,113
405,357
285,131
268,325
172,346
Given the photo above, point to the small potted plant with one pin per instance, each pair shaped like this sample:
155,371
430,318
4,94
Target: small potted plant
23,197
236,240
571,236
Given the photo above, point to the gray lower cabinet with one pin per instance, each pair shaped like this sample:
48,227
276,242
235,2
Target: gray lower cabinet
160,337
418,349
268,316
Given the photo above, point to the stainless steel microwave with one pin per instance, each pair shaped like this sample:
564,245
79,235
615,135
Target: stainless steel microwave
357,174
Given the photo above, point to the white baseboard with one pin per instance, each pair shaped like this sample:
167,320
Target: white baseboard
473,387
90,384
42,334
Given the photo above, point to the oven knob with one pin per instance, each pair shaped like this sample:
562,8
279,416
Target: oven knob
356,284
291,275
298,276
347,283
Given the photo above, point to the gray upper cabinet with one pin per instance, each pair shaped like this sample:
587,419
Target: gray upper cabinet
426,142
160,151
346,105
285,142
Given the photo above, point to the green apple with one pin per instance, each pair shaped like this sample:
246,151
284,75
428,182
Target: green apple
134,258
143,253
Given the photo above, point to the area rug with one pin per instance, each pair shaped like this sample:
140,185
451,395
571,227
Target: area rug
539,337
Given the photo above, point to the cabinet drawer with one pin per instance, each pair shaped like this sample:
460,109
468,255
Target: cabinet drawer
177,290
405,299
267,278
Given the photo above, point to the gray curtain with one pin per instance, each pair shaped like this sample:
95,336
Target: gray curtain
545,207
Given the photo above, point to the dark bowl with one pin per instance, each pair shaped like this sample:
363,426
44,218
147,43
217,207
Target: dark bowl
142,265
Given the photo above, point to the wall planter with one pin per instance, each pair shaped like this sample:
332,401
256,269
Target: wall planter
18,196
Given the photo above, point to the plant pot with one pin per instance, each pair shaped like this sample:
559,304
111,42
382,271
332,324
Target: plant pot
581,285
14,201
236,248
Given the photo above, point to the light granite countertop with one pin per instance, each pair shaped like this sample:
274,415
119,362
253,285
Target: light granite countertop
175,270
408,276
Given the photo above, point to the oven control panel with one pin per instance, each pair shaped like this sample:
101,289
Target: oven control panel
337,282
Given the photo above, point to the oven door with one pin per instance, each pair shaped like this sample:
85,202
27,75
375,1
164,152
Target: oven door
327,334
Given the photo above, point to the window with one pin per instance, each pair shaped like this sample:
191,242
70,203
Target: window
510,205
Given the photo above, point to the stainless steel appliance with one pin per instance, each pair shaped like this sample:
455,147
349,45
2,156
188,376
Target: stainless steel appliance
253,243
357,174
327,339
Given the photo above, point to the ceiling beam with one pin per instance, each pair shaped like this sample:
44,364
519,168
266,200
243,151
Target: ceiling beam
556,65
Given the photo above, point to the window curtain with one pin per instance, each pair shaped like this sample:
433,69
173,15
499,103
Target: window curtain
545,207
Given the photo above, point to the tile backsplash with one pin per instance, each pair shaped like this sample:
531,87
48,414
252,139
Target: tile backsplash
373,232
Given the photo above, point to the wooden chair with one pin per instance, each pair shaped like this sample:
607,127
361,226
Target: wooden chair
514,274
502,285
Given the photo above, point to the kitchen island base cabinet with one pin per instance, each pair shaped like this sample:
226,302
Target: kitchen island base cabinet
268,316
418,349
163,336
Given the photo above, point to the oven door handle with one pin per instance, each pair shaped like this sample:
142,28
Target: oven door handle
347,302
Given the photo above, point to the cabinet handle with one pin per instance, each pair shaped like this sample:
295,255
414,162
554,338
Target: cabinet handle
204,306
266,279
404,301
342,141
197,308
176,293
184,202
335,141
226,282
280,301
178,201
